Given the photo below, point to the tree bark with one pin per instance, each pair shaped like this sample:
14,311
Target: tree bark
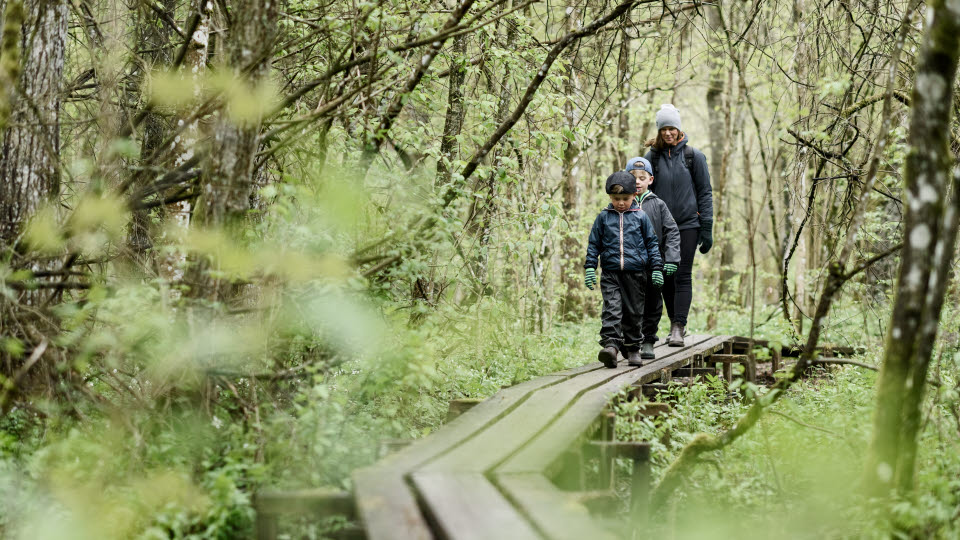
229,168
718,115
930,228
453,121
29,158
156,38
571,307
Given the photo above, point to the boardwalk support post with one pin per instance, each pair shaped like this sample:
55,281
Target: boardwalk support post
640,480
639,453
608,428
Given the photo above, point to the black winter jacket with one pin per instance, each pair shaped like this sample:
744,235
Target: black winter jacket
625,242
687,193
668,235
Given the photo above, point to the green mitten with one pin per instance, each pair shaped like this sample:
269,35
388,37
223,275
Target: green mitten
669,269
590,279
657,278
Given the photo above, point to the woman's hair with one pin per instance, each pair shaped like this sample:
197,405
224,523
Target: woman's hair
658,141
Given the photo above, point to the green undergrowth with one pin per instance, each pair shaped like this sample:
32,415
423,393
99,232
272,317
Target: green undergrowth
797,473
185,465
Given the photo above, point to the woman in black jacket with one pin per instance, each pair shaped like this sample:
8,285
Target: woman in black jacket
682,181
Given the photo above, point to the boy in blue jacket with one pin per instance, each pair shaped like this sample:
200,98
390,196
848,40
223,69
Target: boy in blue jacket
623,241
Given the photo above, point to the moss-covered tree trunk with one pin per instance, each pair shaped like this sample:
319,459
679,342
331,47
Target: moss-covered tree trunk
930,229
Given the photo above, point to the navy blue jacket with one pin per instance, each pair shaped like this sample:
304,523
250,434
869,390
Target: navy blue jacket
687,193
625,242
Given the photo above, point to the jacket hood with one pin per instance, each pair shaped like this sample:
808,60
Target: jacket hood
684,139
649,195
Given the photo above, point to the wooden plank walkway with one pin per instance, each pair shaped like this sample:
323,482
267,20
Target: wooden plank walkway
487,474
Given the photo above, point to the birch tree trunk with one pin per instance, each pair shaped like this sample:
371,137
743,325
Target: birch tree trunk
930,227
718,114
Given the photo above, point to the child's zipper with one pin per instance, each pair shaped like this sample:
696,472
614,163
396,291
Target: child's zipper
621,240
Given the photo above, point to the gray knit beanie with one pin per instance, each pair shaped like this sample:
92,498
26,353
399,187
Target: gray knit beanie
668,116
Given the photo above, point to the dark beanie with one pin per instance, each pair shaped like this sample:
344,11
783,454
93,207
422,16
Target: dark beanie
623,179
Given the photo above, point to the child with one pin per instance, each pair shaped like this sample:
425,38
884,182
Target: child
668,237
623,241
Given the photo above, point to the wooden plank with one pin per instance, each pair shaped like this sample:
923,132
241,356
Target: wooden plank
557,514
510,433
729,358
387,505
694,371
318,502
711,345
469,507
547,446
467,424
662,344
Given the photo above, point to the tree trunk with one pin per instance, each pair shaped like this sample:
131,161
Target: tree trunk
718,115
29,159
156,37
572,256
229,168
930,228
453,122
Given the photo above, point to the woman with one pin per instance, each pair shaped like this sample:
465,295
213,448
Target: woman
682,181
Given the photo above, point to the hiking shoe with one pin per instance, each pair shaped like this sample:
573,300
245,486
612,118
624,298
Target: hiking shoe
634,358
646,351
608,356
675,339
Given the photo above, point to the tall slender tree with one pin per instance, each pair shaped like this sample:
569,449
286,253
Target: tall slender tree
930,228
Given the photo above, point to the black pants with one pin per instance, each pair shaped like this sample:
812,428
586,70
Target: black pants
678,289
652,311
622,309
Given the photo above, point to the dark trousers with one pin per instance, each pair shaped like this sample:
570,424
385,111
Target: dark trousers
622,309
652,311
678,289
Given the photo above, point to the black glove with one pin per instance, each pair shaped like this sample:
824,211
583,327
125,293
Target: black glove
706,236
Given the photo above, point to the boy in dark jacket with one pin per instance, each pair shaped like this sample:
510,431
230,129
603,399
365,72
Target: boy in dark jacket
623,241
668,236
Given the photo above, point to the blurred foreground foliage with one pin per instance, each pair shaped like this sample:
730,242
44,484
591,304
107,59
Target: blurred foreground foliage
171,410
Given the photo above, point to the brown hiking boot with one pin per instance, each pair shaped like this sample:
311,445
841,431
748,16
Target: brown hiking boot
675,339
634,358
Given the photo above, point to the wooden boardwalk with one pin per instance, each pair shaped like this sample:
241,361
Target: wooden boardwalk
489,473
515,465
